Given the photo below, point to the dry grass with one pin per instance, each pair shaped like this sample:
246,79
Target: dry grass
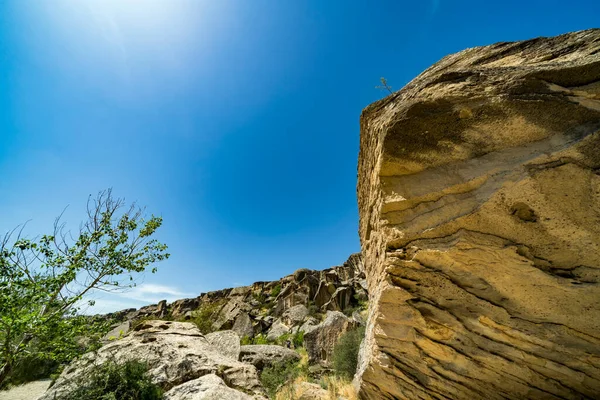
334,388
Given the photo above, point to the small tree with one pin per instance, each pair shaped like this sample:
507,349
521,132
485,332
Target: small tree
384,85
44,281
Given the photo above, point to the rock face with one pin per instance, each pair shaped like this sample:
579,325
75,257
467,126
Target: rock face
321,340
479,199
176,353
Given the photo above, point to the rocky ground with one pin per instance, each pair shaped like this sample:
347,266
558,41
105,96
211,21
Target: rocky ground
28,391
218,344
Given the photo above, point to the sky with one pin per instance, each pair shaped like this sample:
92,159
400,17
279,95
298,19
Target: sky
236,121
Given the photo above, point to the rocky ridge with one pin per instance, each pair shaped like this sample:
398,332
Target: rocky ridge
479,201
192,346
271,309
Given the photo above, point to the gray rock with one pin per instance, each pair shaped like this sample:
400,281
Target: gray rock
175,352
243,325
277,329
208,387
117,331
264,354
309,325
226,343
295,315
320,341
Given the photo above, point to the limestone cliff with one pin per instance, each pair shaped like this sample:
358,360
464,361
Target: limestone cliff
479,199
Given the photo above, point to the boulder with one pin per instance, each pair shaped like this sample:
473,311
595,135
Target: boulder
277,329
261,355
479,199
207,387
184,307
175,352
243,325
295,315
321,340
310,391
226,343
310,324
161,309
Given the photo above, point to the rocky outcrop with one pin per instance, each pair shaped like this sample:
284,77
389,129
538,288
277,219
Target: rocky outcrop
261,355
321,340
479,199
176,353
268,308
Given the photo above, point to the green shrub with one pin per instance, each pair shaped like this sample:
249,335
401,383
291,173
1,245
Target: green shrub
276,375
112,381
206,315
258,339
298,339
345,353
276,290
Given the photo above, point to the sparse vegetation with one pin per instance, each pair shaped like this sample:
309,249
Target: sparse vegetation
277,375
258,339
112,381
44,281
384,85
205,316
276,290
345,353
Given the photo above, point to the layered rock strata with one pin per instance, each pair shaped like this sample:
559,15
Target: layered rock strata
479,200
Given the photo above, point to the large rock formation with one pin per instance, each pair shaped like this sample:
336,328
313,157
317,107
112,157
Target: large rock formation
479,197
270,308
176,354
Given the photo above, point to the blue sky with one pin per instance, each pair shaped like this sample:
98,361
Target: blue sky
237,121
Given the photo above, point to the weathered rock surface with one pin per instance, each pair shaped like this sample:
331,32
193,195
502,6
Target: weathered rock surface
277,329
479,199
295,315
261,355
208,387
175,352
321,340
226,343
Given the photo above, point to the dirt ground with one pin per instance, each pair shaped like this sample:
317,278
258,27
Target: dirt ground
29,391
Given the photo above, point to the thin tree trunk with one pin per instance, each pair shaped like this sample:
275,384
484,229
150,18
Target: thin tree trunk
5,372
